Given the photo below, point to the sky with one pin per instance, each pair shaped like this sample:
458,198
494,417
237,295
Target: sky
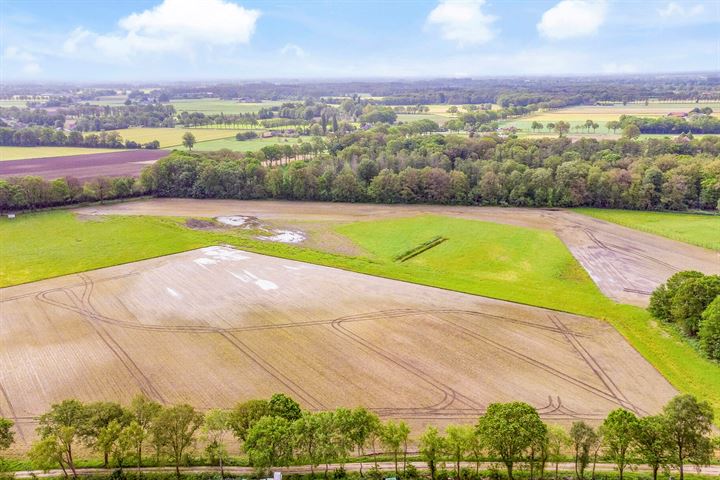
175,40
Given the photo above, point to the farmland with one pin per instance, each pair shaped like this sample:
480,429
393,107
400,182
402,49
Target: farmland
602,114
110,163
244,146
698,229
173,329
21,153
172,137
215,106
94,240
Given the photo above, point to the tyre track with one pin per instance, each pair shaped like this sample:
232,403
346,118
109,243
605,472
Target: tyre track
594,366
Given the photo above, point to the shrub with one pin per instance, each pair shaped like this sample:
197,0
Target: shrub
710,330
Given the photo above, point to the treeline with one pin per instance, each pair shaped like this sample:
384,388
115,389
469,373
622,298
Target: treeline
397,165
512,91
697,124
277,433
38,136
691,300
31,192
386,165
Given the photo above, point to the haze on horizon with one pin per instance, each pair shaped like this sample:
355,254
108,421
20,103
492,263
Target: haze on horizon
175,40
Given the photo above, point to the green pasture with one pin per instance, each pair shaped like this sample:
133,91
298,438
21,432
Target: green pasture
245,145
7,103
216,105
702,230
412,117
172,137
21,153
511,263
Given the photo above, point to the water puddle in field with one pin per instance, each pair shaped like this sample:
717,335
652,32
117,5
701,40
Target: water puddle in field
269,234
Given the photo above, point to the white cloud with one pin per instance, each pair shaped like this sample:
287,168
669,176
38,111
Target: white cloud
675,10
292,49
462,22
22,59
174,26
573,18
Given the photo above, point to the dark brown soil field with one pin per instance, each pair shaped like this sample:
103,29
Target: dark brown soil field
114,164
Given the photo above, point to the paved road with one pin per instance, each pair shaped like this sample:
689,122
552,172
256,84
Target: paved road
712,470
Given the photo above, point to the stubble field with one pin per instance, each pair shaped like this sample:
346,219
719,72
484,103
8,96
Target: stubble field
175,328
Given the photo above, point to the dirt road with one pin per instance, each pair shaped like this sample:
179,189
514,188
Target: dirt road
711,470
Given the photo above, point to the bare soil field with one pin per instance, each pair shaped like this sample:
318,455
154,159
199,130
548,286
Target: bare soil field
113,164
626,264
215,326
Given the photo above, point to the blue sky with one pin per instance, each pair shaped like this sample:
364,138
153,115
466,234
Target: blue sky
96,41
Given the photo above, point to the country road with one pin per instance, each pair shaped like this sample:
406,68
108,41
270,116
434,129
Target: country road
711,470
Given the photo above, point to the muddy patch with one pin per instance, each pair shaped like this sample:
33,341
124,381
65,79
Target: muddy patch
267,233
197,224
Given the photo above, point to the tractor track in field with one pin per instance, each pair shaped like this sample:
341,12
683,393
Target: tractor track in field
82,305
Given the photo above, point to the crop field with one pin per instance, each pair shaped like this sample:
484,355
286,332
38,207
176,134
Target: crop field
22,153
617,258
108,163
174,328
215,106
244,146
698,229
172,137
603,114
412,117
7,103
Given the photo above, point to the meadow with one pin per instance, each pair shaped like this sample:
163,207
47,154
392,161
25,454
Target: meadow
210,106
512,271
172,137
702,230
21,153
245,145
601,114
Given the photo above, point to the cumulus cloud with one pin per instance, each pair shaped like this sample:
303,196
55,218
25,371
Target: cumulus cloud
462,21
174,26
21,59
294,50
573,18
676,10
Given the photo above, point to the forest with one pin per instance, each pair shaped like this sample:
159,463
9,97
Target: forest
390,164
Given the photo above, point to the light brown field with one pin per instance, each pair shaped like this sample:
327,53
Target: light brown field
215,326
626,264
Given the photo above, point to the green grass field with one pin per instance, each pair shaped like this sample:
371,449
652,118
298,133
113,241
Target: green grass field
7,103
698,229
510,263
244,146
411,117
215,105
20,153
172,137
601,114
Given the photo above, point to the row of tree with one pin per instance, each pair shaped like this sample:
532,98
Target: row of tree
32,192
277,432
697,124
393,165
52,137
691,300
